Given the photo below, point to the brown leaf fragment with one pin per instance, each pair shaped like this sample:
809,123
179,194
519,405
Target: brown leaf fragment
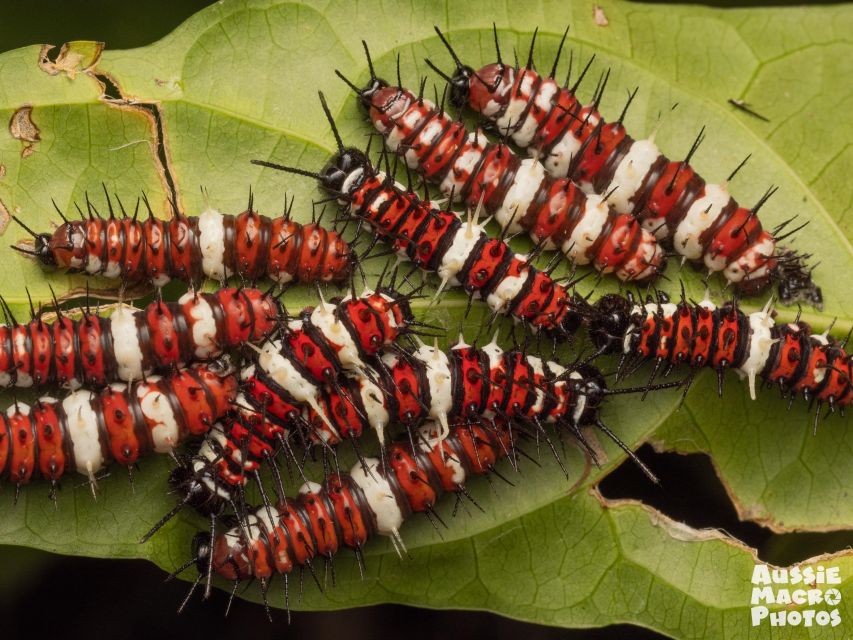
22,127
2,170
599,17
78,56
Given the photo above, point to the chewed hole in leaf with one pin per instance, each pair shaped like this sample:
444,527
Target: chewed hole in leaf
690,492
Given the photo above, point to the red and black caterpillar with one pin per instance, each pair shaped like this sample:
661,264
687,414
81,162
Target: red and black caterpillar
466,383
191,248
402,388
349,509
522,197
703,335
436,240
290,373
132,343
87,430
701,221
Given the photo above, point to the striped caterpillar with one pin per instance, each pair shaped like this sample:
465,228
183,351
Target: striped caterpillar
459,251
191,248
701,221
555,212
131,344
704,335
291,372
349,509
468,383
87,430
401,388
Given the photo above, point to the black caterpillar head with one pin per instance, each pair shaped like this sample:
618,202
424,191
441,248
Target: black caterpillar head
346,171
592,386
460,86
193,491
610,320
201,550
42,249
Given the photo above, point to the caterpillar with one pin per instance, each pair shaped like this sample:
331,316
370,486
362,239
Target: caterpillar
702,334
87,430
463,383
439,241
349,509
289,373
332,338
131,343
521,196
212,245
701,221
400,388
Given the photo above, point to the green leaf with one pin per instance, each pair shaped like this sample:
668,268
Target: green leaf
239,81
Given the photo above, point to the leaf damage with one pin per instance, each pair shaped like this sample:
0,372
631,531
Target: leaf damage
685,533
83,56
22,127
756,512
112,95
78,56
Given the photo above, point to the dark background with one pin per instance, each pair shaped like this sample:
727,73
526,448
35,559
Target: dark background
43,594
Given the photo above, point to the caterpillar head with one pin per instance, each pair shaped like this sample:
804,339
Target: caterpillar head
218,553
460,86
44,244
467,84
610,320
43,250
346,171
593,388
201,550
187,483
191,485
221,367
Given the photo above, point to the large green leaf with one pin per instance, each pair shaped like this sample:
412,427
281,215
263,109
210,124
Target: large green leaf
239,81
